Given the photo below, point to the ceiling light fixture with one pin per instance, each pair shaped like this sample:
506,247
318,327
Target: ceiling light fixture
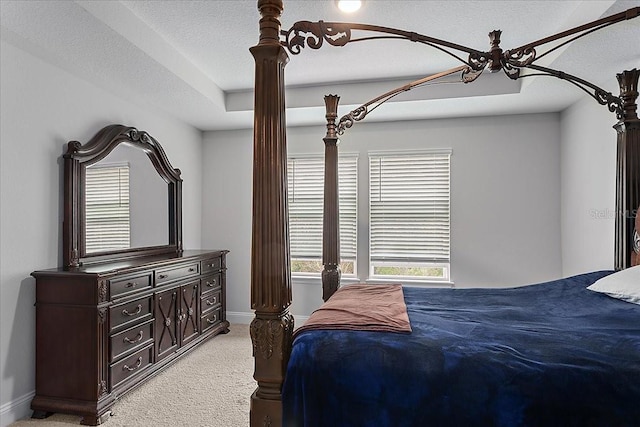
349,6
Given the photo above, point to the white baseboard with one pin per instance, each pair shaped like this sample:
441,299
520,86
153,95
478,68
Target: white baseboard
16,409
240,317
300,319
243,318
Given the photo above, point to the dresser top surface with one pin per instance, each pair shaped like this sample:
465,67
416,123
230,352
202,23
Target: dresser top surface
153,261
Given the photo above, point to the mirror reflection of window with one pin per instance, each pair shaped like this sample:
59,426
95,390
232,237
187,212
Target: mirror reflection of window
148,202
107,219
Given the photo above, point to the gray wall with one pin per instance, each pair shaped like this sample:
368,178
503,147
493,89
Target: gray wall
505,176
43,108
588,187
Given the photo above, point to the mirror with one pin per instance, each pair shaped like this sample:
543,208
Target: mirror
122,198
125,202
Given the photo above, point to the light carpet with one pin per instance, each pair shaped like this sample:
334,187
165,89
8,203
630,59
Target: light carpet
211,386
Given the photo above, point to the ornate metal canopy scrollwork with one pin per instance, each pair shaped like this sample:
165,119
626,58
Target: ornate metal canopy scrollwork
613,103
466,75
511,62
314,34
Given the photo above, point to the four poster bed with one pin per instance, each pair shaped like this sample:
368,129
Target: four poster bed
563,353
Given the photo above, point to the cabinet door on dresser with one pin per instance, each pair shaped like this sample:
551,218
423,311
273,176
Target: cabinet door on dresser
177,318
166,330
188,312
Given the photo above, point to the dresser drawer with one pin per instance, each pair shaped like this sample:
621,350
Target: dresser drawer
131,312
121,287
211,301
175,273
210,284
131,366
211,265
131,339
210,319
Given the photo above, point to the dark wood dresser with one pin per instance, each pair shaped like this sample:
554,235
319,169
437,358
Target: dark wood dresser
104,328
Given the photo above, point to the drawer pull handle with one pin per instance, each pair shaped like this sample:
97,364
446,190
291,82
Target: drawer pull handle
131,285
133,368
138,338
192,269
212,265
213,301
162,276
212,283
138,310
212,321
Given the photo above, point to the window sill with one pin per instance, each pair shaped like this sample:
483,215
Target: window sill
349,280
413,283
317,280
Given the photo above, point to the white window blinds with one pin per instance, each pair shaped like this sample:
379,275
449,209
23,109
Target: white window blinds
409,208
306,195
107,208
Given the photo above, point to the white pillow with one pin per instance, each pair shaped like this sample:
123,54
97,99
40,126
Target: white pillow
624,285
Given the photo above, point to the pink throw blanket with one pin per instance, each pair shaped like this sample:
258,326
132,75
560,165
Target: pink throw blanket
362,307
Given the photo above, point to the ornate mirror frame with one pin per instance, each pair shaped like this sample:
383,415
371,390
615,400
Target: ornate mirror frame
77,158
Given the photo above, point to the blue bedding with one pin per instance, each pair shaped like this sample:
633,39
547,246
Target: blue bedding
551,354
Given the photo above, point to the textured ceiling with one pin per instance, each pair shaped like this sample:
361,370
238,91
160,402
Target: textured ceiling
191,58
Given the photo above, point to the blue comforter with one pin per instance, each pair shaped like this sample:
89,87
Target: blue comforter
552,354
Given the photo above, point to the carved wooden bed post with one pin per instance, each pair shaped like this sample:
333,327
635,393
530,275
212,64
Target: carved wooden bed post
272,328
331,213
628,169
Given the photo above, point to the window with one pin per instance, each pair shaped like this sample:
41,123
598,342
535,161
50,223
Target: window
306,194
107,208
409,226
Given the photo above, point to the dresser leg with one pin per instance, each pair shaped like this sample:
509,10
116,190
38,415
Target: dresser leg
94,420
40,415
225,330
